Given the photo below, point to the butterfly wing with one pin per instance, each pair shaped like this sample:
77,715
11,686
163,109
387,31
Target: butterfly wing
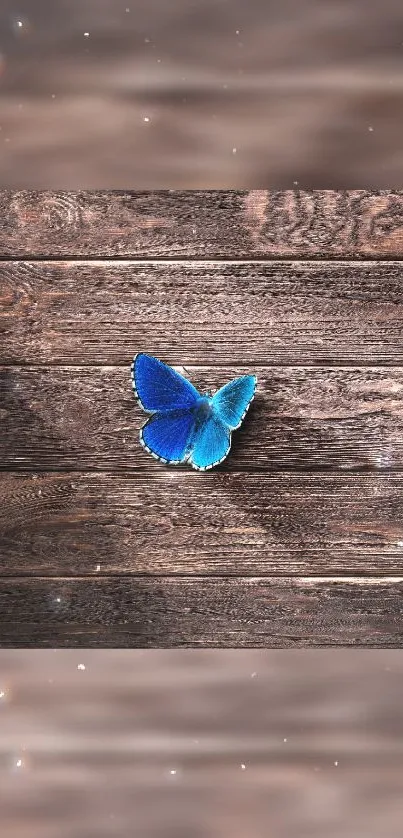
231,402
167,435
212,441
211,444
159,387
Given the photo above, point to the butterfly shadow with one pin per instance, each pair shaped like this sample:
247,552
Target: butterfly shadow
267,502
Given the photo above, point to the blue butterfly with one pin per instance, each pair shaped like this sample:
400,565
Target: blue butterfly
186,426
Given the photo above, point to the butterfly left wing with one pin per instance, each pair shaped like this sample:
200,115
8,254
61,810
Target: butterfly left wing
158,387
166,436
232,401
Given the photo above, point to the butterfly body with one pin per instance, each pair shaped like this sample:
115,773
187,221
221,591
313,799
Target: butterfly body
184,425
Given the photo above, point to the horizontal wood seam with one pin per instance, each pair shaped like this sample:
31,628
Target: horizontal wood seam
204,367
374,579
384,472
124,471
99,577
318,258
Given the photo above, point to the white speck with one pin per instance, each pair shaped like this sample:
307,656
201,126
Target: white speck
284,740
237,31
86,34
400,543
173,771
98,568
2,694
234,150
158,61
81,666
146,118
295,182
127,11
21,26
253,675
58,599
243,766
146,40
53,95
18,764
39,492
370,128
382,460
336,763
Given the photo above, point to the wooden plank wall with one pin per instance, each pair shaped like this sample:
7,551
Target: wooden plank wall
297,538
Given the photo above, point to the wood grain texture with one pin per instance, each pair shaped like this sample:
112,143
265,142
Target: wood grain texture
164,523
202,224
203,313
193,612
85,418
280,546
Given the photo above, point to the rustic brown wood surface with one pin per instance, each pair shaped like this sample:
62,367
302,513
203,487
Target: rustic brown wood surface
209,611
297,538
202,224
302,418
203,313
99,524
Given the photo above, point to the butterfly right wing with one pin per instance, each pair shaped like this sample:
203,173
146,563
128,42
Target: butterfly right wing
158,387
211,444
232,401
230,404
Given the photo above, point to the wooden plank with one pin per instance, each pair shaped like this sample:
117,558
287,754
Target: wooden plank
164,523
86,418
194,313
190,612
202,224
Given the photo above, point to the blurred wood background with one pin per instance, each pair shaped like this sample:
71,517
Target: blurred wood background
204,94
297,538
201,743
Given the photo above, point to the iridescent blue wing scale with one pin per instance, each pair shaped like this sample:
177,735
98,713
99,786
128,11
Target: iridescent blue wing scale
159,387
211,444
229,405
171,399
232,401
166,436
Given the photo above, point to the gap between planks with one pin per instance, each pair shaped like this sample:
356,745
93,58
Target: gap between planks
179,260
100,577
